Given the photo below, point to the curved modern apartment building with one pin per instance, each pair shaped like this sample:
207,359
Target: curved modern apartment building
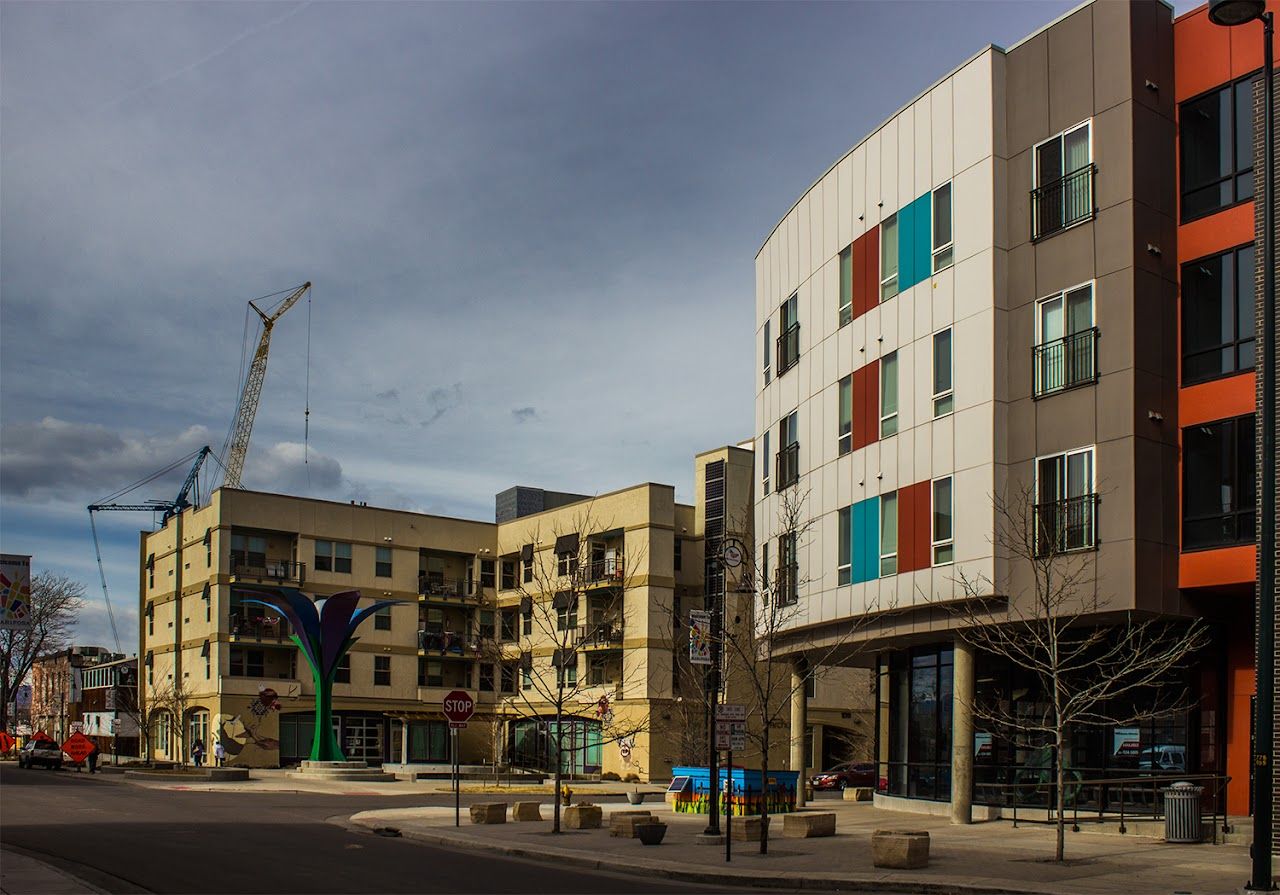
978,305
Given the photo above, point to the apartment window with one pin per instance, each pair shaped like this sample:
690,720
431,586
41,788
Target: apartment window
1218,484
151,570
151,619
382,562
677,558
247,662
1218,306
487,573
526,623
888,535
844,549
487,629
597,671
1217,149
1063,193
810,692
430,673
789,454
382,671
508,574
566,563
846,286
1066,352
1065,502
889,395
247,550
766,463
764,569
845,435
943,246
508,617
342,671
768,354
944,550
566,612
486,677
508,679
526,563
208,547
788,569
333,556
889,257
382,619
567,674
526,678
943,397
789,338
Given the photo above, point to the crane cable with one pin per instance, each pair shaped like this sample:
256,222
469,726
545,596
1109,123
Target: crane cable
306,414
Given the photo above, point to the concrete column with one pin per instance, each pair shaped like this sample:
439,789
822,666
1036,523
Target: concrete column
962,735
404,742
799,721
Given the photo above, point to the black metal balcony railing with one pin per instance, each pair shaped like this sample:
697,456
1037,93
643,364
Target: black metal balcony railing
788,466
447,643
1065,363
602,571
602,635
265,627
786,584
446,589
1063,202
277,570
788,348
1066,525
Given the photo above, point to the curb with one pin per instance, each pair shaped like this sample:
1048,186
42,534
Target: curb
860,883
47,870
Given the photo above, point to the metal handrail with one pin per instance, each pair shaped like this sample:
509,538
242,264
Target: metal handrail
1064,363
788,348
1066,525
788,472
271,569
456,588
1061,203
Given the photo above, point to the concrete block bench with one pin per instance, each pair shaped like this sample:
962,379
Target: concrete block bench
900,849
746,829
582,817
489,813
809,824
622,824
522,811
858,794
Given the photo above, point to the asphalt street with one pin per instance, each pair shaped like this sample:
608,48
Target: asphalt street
124,839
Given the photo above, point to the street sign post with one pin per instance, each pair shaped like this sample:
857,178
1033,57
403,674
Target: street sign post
458,707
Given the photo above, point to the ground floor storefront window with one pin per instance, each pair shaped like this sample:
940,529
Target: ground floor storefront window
531,743
914,728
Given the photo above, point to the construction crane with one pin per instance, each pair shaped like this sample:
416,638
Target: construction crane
237,445
169,509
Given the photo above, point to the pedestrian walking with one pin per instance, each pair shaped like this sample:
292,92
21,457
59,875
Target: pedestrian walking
219,753
197,754
93,760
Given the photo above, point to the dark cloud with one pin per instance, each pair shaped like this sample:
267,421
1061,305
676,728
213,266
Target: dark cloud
440,401
524,414
389,395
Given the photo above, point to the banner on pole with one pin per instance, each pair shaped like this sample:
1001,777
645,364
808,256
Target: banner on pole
699,637
15,592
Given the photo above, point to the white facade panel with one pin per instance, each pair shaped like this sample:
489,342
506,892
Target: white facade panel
940,142
974,131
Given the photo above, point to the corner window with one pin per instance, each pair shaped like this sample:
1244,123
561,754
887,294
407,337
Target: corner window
844,547
943,398
1219,487
1217,148
944,551
888,535
382,619
889,395
845,434
889,257
1066,351
1218,307
1063,193
943,247
382,562
846,286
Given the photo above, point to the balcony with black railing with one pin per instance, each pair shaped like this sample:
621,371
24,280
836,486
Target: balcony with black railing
247,626
438,589
447,644
1067,525
1064,363
602,572
788,348
599,636
1062,203
259,569
788,472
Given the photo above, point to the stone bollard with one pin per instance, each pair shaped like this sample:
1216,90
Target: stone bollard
900,849
582,817
809,824
525,811
489,813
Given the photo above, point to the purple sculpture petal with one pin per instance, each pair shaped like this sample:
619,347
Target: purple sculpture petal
297,608
335,625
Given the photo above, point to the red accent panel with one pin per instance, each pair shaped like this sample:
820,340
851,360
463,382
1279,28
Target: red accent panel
866,405
1209,568
913,527
1219,399
866,271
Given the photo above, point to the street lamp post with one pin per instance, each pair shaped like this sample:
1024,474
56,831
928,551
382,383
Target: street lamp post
1230,13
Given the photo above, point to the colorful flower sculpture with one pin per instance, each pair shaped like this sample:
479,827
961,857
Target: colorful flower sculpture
323,629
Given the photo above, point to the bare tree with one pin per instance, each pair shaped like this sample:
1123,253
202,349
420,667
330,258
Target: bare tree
556,616
168,701
1091,670
56,601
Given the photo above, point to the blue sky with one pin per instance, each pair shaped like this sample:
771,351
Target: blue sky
530,228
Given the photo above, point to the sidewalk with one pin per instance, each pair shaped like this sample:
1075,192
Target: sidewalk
23,875
987,857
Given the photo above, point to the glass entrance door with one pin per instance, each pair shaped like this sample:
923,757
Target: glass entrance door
362,738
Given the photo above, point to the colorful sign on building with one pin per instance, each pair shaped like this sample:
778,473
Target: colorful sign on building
15,592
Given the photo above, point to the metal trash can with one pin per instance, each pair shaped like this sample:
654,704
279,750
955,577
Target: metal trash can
1182,821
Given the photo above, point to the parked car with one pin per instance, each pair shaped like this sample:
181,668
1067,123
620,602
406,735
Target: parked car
1163,758
40,751
851,773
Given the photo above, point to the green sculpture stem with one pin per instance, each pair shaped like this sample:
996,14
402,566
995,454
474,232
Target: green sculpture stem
324,743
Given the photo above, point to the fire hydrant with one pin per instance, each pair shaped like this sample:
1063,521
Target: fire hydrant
566,794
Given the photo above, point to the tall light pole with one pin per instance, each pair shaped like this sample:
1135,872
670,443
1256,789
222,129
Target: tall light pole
1230,13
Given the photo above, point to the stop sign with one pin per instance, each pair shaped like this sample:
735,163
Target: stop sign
459,706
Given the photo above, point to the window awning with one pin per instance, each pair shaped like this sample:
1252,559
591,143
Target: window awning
526,661
567,543
526,553
526,605
564,657
564,599
204,650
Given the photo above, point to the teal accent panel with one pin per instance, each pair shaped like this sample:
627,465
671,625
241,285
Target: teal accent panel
915,235
865,530
906,258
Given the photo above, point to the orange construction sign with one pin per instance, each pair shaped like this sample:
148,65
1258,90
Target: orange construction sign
78,746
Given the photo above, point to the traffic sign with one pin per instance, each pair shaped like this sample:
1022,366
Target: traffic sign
78,746
459,707
731,735
457,725
731,711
